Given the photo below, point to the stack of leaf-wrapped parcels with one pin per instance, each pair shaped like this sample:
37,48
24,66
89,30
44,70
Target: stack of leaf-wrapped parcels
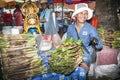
65,58
110,37
19,57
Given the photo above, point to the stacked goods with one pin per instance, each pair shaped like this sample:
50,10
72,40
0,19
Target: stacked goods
101,32
19,57
116,42
66,57
110,38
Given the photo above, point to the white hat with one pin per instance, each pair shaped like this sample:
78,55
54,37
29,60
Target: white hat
81,7
43,1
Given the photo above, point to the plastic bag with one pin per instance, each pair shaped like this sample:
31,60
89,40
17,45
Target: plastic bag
118,58
38,40
107,70
78,74
107,56
51,26
92,70
64,36
46,43
56,39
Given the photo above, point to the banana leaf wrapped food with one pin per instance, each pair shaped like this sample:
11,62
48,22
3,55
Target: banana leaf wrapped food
66,57
116,42
19,57
17,40
110,38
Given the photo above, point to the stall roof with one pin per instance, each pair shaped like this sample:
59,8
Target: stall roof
4,3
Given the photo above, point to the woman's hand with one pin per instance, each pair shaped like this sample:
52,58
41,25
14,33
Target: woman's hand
83,65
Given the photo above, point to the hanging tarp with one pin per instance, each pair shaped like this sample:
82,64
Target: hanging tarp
22,1
56,1
59,1
79,1
69,1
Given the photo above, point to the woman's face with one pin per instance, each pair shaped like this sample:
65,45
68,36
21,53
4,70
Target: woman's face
44,5
82,16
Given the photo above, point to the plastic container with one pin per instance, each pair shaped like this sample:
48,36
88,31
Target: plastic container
6,29
32,30
20,28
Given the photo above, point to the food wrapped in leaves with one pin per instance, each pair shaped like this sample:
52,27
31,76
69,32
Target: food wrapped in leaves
116,42
66,57
110,38
17,40
19,57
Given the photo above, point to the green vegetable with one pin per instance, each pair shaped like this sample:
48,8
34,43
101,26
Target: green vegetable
66,58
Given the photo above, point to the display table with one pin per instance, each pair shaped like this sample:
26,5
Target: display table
78,74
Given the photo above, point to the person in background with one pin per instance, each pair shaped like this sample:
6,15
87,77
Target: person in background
57,14
94,20
44,15
58,18
81,29
18,16
70,15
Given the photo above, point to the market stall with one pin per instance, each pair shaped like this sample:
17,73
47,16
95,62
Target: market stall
26,53
22,56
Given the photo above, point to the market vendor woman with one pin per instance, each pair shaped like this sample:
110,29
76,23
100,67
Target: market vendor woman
81,29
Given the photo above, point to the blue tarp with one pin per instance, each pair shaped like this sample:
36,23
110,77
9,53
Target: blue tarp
78,74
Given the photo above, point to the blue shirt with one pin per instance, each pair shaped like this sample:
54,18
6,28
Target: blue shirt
45,14
86,33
